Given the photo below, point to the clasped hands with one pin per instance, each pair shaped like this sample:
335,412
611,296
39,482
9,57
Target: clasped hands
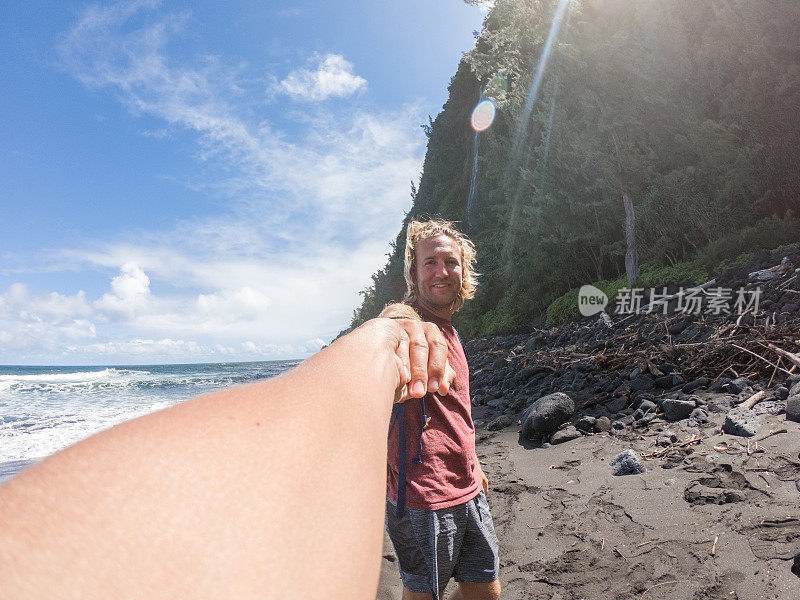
420,354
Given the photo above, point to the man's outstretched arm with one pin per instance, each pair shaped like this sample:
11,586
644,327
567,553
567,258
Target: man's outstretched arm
272,490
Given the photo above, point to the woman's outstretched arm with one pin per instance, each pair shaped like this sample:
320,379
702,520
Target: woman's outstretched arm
272,490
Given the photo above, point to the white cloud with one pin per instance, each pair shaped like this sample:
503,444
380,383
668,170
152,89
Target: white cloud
332,77
283,188
41,323
18,305
279,298
151,348
308,214
131,292
245,303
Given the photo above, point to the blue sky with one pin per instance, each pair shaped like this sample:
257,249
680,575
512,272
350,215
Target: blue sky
207,182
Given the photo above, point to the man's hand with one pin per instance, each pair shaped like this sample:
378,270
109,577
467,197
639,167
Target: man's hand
420,354
421,359
484,480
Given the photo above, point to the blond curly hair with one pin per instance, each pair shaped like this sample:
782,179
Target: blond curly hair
418,231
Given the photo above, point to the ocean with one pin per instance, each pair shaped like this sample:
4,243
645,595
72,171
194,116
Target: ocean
46,409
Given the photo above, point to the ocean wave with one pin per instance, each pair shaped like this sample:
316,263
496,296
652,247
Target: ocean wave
44,409
76,377
105,377
35,436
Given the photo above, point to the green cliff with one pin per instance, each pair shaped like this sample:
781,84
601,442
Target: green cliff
689,109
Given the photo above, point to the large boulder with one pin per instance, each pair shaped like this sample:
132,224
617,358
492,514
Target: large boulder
738,385
669,381
525,373
793,408
602,424
648,406
642,382
565,435
586,424
616,404
545,415
770,407
675,409
740,421
700,382
627,463
500,422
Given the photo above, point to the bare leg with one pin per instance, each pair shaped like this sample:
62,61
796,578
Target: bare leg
477,591
409,595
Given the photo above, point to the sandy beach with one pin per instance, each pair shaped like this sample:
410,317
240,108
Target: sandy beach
569,529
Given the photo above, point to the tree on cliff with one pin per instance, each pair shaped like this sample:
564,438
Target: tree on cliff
685,111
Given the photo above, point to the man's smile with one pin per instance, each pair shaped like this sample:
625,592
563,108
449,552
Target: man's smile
438,274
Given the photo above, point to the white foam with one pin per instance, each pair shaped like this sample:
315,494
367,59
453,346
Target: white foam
46,434
43,412
77,377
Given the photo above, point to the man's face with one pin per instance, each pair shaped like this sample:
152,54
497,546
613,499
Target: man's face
438,273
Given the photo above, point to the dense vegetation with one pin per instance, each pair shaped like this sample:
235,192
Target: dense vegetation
690,108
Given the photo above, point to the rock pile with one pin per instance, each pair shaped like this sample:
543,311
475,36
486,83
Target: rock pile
657,368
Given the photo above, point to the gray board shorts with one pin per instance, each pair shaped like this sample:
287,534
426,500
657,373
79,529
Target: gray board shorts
434,545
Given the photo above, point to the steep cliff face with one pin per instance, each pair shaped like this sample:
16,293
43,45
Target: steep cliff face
688,109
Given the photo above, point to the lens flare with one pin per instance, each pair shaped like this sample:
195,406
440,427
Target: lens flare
483,115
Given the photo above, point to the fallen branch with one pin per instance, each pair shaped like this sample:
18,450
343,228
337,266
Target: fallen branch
771,433
792,357
714,547
658,453
775,370
753,400
769,362
741,316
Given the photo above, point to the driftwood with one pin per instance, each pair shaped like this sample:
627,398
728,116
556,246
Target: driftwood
753,400
792,357
772,272
770,363
771,433
740,351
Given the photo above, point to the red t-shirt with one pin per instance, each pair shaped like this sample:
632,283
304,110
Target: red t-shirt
447,475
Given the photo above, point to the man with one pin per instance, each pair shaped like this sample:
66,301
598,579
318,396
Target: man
437,514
